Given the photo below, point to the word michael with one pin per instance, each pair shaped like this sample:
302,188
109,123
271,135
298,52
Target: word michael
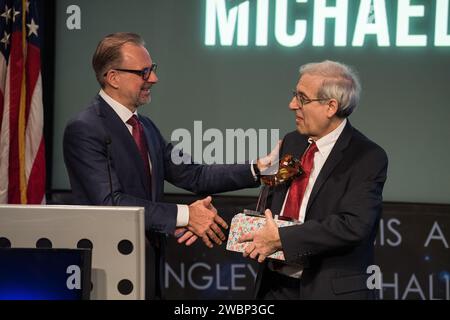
372,20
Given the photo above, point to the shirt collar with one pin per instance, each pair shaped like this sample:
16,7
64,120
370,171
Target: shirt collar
326,143
123,112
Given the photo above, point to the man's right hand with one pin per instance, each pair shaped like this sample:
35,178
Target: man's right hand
204,222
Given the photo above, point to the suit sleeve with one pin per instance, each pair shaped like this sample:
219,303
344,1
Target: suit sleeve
203,179
353,221
85,156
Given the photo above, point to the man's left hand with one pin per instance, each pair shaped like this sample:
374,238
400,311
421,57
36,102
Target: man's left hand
186,236
264,242
269,164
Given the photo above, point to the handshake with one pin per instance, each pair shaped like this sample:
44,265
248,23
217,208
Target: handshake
204,222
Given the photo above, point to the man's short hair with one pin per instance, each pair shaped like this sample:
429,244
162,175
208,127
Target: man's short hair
108,53
341,83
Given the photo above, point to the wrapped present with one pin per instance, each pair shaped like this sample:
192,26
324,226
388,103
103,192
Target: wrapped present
243,223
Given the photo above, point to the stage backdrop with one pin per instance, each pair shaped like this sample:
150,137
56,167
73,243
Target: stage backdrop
232,64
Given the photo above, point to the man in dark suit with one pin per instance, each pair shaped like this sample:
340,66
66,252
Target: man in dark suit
116,157
338,200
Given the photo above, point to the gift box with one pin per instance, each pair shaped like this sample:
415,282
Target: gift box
243,223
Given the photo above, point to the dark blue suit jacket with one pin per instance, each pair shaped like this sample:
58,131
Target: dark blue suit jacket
335,244
85,145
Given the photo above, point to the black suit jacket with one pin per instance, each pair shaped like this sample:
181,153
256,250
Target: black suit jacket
335,244
85,154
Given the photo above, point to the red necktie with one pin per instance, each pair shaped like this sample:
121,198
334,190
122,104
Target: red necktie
139,138
298,186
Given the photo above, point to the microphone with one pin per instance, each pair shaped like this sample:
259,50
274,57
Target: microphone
108,161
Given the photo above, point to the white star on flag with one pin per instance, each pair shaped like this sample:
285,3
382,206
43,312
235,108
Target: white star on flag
7,14
15,13
5,39
33,28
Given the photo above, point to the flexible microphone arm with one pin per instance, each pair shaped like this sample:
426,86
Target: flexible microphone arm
108,160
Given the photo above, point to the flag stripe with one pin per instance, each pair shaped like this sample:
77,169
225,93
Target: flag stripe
35,164
22,111
16,72
36,181
34,128
5,146
4,139
3,68
33,73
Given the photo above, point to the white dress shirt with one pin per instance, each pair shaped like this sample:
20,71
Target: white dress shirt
324,146
125,114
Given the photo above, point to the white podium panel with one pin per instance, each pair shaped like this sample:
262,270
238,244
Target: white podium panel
115,234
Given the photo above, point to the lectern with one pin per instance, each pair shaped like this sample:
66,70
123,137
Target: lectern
114,234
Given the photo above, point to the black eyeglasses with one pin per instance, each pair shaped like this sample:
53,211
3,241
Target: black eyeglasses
302,100
144,73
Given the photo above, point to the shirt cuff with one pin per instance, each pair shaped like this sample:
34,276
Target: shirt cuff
182,215
253,171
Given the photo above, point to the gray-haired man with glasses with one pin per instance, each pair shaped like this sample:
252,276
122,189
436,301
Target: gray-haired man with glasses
337,201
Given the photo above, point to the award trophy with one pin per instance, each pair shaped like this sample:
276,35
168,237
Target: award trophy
289,169
251,220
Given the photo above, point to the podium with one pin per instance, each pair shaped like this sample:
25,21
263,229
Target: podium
114,234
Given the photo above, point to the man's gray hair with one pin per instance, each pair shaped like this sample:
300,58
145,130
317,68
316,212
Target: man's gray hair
341,83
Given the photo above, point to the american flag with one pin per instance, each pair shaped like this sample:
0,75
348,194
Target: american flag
22,150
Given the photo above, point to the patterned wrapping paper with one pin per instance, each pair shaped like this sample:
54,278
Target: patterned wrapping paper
242,224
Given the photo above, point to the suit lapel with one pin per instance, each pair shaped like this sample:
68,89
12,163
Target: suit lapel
119,132
333,159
